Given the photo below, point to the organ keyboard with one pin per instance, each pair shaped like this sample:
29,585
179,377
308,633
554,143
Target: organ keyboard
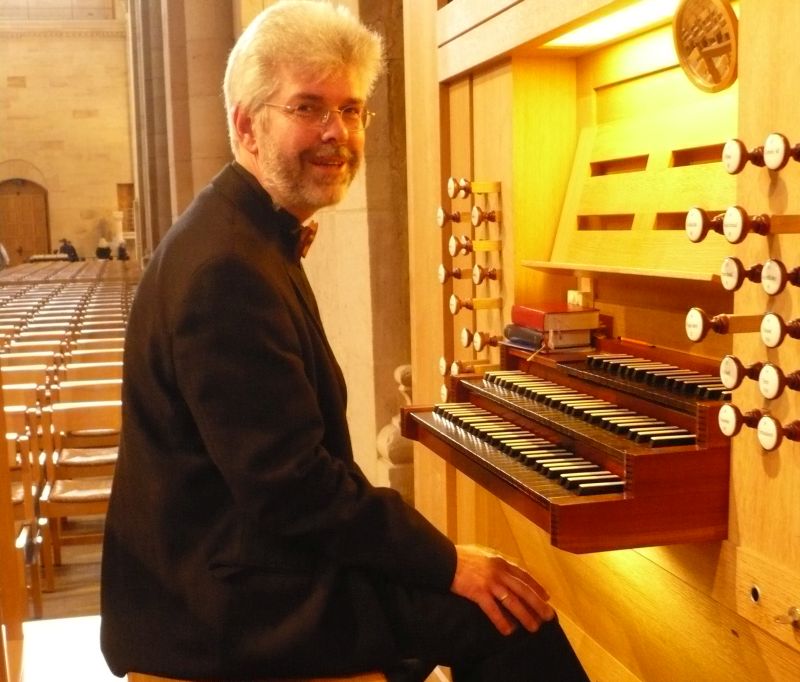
615,449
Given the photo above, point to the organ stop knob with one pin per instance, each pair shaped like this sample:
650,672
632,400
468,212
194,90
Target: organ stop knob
775,277
732,371
731,419
735,156
733,273
772,381
699,324
774,330
778,151
771,433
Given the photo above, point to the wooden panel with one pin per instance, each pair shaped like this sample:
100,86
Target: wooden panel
766,517
425,138
679,612
460,147
456,18
542,161
526,23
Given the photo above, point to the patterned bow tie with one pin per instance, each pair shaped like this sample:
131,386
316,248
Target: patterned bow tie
307,234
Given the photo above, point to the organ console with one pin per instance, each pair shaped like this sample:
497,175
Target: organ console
733,273
731,419
458,304
464,245
778,151
775,277
772,381
610,450
481,273
699,324
735,156
771,433
732,371
774,330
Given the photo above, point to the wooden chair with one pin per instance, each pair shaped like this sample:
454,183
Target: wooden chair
106,354
35,346
26,477
86,371
80,430
99,319
10,358
82,390
21,374
21,394
76,428
87,343
25,487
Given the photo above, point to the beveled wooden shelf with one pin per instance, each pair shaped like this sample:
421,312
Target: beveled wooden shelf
584,269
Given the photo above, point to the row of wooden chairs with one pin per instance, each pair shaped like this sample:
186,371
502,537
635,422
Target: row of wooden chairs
60,372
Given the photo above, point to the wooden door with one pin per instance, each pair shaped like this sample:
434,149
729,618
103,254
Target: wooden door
23,219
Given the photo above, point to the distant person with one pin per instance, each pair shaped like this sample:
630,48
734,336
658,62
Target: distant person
122,250
68,249
103,250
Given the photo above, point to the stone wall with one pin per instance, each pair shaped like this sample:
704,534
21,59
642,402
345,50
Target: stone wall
64,121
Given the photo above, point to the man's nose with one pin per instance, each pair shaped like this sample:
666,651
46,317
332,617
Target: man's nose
334,128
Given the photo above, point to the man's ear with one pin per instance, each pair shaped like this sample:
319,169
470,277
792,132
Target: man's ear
243,124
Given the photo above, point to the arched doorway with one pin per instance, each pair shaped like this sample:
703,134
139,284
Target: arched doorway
23,219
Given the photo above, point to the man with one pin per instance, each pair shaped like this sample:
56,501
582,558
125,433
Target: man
68,249
242,541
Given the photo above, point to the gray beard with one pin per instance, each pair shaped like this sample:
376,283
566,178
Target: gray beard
287,184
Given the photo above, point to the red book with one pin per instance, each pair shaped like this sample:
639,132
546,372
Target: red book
555,316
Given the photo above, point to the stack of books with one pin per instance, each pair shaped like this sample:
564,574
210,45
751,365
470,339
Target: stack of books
559,327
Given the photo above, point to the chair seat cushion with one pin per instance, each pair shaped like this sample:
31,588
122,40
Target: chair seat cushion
81,489
88,456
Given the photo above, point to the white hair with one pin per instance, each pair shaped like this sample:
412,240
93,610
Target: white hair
310,36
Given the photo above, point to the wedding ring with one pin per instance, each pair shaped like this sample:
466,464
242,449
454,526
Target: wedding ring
503,598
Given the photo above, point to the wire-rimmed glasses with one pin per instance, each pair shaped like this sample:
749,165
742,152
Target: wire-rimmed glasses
354,116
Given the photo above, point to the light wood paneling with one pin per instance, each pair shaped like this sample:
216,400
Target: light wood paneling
681,612
766,517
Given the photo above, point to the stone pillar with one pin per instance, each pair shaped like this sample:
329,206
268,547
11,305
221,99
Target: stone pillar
151,168
395,453
197,37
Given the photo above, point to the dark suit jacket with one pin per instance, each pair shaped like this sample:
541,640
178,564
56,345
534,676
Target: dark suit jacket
242,540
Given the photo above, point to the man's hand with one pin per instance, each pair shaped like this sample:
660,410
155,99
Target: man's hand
506,593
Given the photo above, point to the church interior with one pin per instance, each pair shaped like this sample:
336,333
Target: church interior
609,191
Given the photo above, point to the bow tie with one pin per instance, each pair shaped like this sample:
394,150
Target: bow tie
307,234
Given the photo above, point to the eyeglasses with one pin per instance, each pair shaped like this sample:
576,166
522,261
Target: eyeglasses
354,117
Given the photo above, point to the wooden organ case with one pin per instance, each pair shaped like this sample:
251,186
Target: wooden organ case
592,159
